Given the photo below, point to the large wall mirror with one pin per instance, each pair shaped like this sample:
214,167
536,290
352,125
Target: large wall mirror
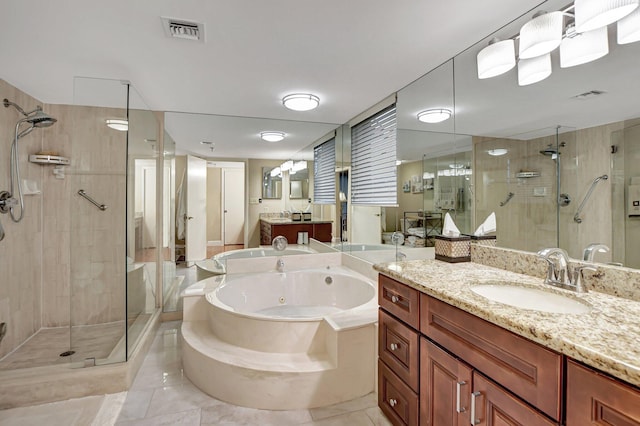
299,184
271,183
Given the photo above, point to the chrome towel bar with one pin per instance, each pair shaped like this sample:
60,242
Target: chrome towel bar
83,194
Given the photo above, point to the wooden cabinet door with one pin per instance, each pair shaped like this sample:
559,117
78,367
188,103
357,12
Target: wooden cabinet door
595,399
445,388
492,406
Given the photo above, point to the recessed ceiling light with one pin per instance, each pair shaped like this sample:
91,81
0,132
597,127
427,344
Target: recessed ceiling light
301,101
497,152
272,136
436,115
117,124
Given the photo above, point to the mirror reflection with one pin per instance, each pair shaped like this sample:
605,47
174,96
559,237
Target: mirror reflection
272,183
299,184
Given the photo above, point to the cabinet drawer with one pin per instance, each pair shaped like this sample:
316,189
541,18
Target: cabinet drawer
526,368
398,348
400,300
595,399
396,400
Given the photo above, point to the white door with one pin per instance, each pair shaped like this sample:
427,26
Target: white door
196,213
366,225
233,206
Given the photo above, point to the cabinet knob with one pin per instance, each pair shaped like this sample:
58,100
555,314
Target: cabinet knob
395,299
393,346
392,402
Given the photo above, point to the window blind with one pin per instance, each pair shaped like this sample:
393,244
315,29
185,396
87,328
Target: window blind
324,173
373,160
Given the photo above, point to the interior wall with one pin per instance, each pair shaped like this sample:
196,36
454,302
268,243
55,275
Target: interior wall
407,201
631,224
180,167
254,191
21,250
214,202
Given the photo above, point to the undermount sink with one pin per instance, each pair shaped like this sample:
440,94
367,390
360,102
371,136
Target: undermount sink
531,298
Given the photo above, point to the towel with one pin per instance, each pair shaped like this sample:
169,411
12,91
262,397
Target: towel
489,225
449,229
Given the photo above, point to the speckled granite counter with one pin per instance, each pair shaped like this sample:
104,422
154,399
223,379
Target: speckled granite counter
607,338
286,221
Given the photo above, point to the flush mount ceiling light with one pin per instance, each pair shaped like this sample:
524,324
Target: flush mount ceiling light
436,115
497,58
577,49
629,28
301,101
541,35
272,136
534,70
497,152
117,124
593,14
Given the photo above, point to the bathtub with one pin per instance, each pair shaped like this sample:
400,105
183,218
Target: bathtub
255,337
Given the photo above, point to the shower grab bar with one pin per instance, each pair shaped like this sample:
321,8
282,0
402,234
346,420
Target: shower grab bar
509,197
84,195
577,218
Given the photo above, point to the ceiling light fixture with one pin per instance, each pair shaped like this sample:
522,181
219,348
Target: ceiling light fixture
497,58
578,49
594,14
301,101
436,115
497,152
541,35
272,136
117,124
629,28
534,70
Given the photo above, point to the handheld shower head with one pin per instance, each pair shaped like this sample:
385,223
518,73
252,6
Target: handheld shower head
41,119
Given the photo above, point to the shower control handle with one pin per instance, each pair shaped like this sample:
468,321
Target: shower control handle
6,202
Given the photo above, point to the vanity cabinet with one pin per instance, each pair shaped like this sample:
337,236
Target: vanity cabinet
318,231
596,399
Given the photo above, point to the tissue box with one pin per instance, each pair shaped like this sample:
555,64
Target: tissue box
296,217
453,249
484,240
306,216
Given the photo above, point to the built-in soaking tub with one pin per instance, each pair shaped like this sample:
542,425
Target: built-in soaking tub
284,340
217,264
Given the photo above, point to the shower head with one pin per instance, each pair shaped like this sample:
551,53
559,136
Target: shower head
40,119
549,151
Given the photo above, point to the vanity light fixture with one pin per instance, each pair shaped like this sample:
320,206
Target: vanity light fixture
497,58
593,14
629,28
578,49
541,35
287,165
117,124
272,136
497,152
275,171
436,115
299,165
534,70
301,101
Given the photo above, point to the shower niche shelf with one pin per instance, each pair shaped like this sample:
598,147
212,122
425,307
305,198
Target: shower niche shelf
49,159
527,175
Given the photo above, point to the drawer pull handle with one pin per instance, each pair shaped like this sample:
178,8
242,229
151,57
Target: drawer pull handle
393,346
393,402
395,299
474,395
459,385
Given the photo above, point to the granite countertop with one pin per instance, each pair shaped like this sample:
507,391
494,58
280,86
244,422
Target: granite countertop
288,221
607,338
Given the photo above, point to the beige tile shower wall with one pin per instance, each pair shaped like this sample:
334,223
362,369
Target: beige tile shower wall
83,246
632,169
21,249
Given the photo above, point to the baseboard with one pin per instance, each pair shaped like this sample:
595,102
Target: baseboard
214,243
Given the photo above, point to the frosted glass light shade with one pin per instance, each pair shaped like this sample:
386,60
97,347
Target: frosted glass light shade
534,70
272,136
117,124
432,116
593,14
583,48
629,28
497,58
301,101
541,35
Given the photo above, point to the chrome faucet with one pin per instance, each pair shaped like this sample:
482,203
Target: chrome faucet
559,273
400,256
280,265
591,249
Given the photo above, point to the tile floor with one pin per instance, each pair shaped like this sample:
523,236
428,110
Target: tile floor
162,395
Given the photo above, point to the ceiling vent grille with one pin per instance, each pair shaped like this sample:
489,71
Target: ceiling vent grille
176,28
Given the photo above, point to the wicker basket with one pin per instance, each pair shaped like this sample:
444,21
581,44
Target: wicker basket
453,249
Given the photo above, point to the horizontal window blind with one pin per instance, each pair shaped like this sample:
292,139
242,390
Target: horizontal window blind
324,173
373,160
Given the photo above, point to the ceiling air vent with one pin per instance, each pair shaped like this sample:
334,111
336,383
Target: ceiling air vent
590,94
183,29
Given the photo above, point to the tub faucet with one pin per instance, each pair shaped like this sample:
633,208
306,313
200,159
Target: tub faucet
280,265
591,249
559,273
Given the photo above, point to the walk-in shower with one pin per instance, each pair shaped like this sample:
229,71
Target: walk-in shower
35,119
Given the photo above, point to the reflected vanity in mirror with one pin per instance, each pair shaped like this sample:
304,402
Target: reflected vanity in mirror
271,183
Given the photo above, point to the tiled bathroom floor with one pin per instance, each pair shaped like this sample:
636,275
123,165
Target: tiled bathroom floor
162,395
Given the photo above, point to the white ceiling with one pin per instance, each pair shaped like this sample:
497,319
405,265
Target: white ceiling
350,53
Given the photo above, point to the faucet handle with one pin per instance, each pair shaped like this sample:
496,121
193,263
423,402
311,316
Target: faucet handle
551,270
577,277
